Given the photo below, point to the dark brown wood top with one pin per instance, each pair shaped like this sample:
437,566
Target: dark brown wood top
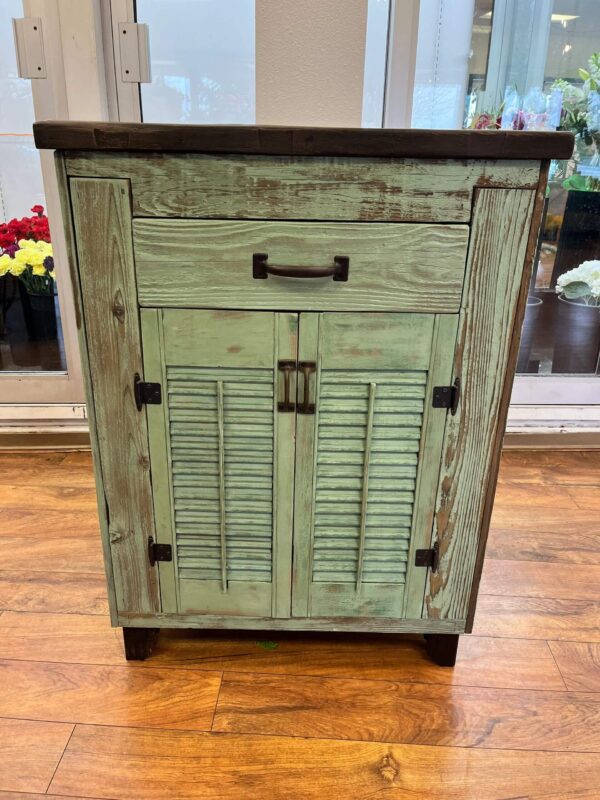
271,140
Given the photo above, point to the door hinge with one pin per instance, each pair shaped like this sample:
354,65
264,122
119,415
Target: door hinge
447,396
148,393
159,552
428,558
29,46
134,49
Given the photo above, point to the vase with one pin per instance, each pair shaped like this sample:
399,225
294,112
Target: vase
579,237
41,345
532,313
576,338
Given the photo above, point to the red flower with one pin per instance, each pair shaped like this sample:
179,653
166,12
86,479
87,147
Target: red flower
39,210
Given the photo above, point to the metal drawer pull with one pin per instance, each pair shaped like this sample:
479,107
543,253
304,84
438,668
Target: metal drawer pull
338,271
306,368
287,367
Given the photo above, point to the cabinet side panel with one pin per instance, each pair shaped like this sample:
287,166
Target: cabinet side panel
102,219
495,275
65,202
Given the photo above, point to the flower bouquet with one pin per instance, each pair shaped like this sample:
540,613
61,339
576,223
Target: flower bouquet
27,262
26,252
581,284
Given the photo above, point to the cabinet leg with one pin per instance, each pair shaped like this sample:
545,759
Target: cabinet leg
442,647
139,642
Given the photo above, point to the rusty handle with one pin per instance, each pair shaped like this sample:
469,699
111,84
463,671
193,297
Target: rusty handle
287,367
306,368
262,269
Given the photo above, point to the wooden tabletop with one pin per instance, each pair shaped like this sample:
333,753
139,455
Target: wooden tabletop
272,140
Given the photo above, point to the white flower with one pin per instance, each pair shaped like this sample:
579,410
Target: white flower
588,272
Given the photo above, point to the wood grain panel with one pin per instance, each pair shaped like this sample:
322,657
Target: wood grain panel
70,554
408,713
538,618
281,187
51,524
106,273
500,230
279,139
527,579
36,796
77,498
130,764
86,639
209,263
152,698
579,664
29,753
553,467
62,592
572,544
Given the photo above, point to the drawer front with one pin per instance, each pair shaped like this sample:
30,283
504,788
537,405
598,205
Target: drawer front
208,263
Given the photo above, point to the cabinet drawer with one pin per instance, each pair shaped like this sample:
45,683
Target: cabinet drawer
208,263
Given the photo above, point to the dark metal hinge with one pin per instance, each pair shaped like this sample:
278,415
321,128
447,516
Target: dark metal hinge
159,552
447,396
428,558
146,393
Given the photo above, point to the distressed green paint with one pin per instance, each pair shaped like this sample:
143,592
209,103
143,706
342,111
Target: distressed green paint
209,263
106,273
222,478
501,224
362,477
304,187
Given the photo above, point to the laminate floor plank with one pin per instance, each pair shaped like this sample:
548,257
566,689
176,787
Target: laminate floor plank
528,516
59,592
509,663
39,796
154,765
527,579
531,495
568,545
550,467
60,555
452,716
51,524
579,664
152,697
538,618
29,753
44,497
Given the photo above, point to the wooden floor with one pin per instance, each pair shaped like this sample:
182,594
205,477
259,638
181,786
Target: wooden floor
235,716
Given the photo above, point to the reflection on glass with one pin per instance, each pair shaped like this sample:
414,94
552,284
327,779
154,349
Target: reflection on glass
30,334
539,50
202,61
375,62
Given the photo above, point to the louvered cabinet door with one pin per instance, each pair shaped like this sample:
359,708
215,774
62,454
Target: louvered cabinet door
222,458
367,460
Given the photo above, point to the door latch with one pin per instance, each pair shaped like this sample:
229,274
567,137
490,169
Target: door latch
447,396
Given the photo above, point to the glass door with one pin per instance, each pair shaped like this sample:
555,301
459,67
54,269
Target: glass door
39,361
534,49
531,63
201,61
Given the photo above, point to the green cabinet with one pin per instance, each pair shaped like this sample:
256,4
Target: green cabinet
298,346
304,433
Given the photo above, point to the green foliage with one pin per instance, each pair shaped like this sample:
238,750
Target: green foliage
577,289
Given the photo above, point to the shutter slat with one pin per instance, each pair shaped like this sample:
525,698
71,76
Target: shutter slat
362,533
221,442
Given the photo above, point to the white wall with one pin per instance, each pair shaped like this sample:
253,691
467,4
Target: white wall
310,62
